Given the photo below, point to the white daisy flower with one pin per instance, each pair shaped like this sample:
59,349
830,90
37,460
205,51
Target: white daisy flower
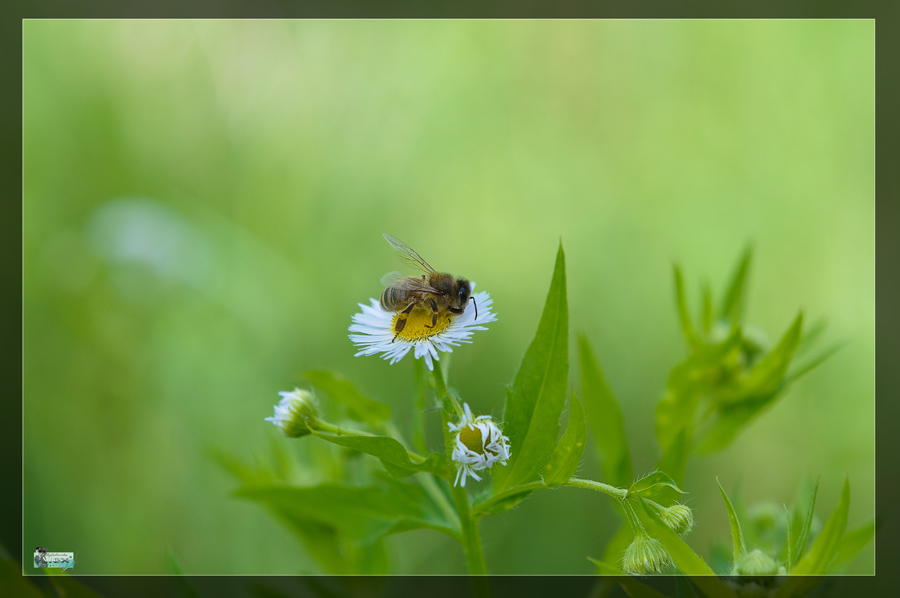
375,332
479,444
292,412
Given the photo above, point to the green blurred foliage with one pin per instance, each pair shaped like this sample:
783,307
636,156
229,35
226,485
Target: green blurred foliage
203,209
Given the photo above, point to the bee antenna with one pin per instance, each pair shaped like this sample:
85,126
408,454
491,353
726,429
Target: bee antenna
472,299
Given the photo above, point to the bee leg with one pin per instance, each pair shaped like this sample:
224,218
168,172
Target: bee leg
472,299
401,321
434,316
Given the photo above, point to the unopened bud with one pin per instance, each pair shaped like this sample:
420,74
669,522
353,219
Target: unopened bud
679,518
292,412
645,555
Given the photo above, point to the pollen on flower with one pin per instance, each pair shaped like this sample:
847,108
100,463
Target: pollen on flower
471,437
418,324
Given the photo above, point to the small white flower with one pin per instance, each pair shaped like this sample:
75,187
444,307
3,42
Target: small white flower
479,444
375,330
292,412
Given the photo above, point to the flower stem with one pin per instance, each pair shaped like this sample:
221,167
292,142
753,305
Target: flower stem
418,433
440,387
598,486
471,539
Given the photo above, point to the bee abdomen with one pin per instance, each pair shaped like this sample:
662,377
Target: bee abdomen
389,299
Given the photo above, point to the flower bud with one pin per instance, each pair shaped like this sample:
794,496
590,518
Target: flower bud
679,518
645,555
755,563
292,412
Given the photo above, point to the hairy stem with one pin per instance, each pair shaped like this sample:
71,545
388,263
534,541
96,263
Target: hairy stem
418,434
471,539
598,486
440,387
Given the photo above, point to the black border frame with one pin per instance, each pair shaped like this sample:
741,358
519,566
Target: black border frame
887,245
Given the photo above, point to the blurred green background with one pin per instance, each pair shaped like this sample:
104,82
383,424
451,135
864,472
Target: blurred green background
204,203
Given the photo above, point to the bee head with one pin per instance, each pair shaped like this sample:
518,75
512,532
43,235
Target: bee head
462,294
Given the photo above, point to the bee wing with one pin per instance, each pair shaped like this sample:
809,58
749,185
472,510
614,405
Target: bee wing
390,278
409,255
408,283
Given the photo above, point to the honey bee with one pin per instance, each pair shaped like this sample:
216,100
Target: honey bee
443,293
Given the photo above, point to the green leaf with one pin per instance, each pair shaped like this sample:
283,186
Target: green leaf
656,486
737,536
564,461
359,513
359,407
684,316
803,531
788,550
766,376
687,382
389,451
605,417
706,314
805,574
852,542
756,391
807,366
533,407
685,559
822,551
733,303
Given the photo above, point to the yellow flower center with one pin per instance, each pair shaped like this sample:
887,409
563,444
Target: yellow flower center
471,437
418,324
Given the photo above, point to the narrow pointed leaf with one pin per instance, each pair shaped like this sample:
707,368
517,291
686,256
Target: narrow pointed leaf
395,458
806,574
732,304
737,536
564,461
706,313
359,407
684,316
788,551
533,408
807,366
766,376
822,551
803,532
605,418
